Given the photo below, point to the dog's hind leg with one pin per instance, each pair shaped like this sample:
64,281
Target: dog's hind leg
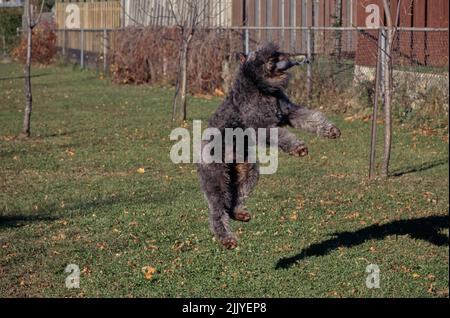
246,178
215,183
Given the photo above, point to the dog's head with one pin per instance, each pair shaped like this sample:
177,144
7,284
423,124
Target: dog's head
267,67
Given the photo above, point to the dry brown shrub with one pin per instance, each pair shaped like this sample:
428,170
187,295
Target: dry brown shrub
150,55
43,45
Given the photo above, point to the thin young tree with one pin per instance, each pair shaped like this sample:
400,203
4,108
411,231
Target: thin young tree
338,34
32,19
388,83
189,16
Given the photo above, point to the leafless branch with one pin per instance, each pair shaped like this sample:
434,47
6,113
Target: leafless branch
36,20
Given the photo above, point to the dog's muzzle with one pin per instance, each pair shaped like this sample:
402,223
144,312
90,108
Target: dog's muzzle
295,61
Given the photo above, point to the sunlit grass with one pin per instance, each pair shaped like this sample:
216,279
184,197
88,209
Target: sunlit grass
95,187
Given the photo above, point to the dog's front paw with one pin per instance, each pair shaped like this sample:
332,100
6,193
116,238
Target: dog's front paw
300,151
332,132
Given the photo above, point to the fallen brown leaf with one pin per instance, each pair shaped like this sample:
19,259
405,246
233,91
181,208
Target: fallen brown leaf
148,272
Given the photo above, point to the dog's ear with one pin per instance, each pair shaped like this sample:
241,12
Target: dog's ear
241,57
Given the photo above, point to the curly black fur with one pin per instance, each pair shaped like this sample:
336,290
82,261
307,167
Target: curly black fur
256,100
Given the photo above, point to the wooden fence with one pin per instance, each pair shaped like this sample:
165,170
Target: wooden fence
287,16
79,17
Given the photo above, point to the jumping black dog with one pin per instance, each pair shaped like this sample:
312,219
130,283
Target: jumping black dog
256,100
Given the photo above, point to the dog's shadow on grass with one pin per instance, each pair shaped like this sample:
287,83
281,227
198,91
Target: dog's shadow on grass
426,228
20,220
419,168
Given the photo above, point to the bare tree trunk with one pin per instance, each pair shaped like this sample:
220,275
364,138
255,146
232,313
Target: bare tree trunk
184,80
31,22
309,50
373,141
188,15
184,64
177,91
177,83
26,131
387,106
388,92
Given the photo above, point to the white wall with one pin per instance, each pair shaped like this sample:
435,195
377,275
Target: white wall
158,12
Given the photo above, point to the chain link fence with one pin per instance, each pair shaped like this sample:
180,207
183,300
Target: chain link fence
126,37
87,47
340,77
342,72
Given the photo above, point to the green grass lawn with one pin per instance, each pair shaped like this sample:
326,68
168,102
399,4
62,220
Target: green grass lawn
73,195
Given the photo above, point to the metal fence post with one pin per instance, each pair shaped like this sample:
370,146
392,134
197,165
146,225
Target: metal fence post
309,66
247,44
281,17
123,13
269,21
82,48
4,44
64,42
105,50
246,33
